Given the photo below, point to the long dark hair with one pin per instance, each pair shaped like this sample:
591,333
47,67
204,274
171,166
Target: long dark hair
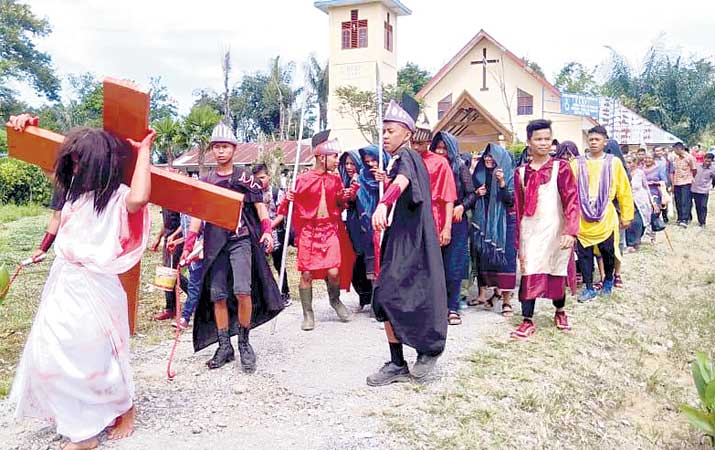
99,156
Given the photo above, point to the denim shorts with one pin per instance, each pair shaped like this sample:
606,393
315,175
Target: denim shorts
232,268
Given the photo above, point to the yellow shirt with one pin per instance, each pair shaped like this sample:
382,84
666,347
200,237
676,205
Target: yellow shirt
592,233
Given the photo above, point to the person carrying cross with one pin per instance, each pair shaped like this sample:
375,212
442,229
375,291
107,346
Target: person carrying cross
75,366
238,289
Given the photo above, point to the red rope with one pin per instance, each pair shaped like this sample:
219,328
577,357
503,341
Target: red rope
9,283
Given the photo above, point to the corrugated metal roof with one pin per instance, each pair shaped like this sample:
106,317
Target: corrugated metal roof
248,153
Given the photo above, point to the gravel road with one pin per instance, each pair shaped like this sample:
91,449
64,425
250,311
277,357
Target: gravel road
309,391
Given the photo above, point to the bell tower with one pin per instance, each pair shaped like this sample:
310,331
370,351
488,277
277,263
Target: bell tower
362,38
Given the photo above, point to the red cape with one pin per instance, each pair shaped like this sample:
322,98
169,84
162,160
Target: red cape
442,185
308,190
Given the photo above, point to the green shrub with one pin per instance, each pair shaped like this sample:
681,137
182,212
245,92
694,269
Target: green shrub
3,141
22,183
703,417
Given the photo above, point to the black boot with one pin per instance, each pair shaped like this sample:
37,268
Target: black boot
245,351
224,352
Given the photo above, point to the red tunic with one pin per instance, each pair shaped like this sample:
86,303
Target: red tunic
322,243
544,285
443,187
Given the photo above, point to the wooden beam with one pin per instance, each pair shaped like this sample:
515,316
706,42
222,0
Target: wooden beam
35,146
219,206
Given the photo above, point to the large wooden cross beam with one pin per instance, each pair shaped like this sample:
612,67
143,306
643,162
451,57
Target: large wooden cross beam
126,114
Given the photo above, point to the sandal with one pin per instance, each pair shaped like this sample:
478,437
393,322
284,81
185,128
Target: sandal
454,318
489,304
598,285
618,281
507,310
475,301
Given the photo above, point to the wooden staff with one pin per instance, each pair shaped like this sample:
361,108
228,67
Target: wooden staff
289,219
377,236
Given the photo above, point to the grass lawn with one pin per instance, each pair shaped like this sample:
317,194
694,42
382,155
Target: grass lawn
21,230
615,382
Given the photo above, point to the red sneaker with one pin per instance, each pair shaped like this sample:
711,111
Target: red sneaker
561,320
166,315
525,330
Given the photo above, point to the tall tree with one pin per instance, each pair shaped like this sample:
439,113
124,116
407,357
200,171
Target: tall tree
19,58
196,130
161,105
168,138
318,82
576,78
412,78
226,69
361,107
670,91
82,108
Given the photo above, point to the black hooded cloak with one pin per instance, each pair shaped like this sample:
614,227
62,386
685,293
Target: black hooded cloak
266,296
410,292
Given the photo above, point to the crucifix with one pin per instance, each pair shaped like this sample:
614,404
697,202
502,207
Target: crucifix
126,114
484,63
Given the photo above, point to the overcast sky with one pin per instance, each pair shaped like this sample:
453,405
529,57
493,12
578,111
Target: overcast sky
182,41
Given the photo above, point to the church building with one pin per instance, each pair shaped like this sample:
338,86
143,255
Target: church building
483,94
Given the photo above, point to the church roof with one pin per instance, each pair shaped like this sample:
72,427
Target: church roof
395,6
466,112
466,49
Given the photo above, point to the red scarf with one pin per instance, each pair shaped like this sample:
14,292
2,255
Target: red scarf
536,179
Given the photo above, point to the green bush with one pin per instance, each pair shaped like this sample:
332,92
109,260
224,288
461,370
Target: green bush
22,183
3,141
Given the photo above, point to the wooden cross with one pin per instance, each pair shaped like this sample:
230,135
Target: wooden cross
484,63
126,114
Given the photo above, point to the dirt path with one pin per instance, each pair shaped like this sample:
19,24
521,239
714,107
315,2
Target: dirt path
309,391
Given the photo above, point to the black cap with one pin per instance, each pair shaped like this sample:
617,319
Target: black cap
320,137
410,106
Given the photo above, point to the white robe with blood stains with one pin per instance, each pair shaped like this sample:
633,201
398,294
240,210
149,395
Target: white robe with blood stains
75,367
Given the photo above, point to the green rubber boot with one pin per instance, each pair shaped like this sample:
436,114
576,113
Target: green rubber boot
306,301
338,306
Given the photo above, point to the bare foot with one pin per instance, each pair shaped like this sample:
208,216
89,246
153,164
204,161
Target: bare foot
124,427
87,444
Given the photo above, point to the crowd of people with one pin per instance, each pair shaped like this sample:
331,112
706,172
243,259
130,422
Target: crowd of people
451,231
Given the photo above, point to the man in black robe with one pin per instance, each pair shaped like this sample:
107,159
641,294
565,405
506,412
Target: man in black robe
410,294
238,289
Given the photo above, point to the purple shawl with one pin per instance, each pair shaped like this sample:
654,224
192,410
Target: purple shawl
594,211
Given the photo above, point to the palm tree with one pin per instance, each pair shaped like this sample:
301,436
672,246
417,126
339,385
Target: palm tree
279,92
318,80
168,133
196,130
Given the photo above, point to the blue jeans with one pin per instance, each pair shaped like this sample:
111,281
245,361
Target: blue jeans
195,274
453,289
